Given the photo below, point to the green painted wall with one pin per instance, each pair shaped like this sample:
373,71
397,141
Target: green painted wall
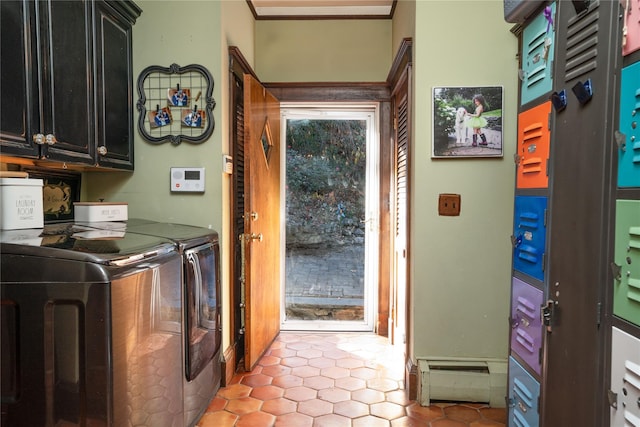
208,28
460,274
461,266
323,51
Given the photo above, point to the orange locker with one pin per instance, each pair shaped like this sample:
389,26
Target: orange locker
533,147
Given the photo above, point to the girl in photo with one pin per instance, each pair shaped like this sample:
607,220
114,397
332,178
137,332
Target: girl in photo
476,121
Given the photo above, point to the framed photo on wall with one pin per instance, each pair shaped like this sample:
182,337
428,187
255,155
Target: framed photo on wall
467,122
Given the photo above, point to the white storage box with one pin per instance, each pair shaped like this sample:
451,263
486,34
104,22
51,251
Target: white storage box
100,211
21,203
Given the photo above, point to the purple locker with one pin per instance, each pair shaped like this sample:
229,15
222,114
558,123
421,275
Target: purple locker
526,323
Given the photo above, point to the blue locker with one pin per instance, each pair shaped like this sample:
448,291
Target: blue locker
530,235
526,323
524,392
629,152
538,39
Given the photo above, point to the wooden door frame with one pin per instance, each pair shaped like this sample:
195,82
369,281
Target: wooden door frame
378,92
399,77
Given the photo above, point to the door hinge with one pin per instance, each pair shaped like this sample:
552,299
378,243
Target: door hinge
599,314
613,399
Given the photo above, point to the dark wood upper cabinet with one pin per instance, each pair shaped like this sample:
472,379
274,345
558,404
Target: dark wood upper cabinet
66,66
114,85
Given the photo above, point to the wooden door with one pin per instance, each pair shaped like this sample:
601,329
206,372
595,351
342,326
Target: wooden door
400,291
261,220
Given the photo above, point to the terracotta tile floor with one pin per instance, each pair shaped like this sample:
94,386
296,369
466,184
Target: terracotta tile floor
334,379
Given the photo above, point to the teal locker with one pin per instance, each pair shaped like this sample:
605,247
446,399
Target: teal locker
538,39
629,151
626,286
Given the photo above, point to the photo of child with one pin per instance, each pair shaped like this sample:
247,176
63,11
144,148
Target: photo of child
467,121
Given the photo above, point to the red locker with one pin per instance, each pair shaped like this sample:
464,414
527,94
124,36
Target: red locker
533,147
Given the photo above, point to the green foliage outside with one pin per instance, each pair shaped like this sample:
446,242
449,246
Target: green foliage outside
326,166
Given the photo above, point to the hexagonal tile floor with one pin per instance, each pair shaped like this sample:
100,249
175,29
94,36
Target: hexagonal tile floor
334,379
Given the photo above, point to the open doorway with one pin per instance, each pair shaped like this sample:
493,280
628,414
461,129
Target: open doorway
331,216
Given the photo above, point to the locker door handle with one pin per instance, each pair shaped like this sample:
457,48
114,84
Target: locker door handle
547,312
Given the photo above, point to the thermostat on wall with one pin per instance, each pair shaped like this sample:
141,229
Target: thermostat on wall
187,180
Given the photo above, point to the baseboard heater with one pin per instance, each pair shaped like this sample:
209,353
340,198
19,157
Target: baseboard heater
463,380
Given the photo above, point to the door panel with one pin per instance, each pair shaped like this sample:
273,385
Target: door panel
530,235
526,329
524,394
401,216
261,219
625,370
538,40
626,287
629,152
533,147
630,26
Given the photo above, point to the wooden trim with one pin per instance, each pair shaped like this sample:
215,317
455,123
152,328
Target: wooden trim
403,59
238,67
411,379
317,17
238,64
359,92
385,248
229,363
329,92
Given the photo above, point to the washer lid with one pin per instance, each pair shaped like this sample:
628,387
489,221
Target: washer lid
77,242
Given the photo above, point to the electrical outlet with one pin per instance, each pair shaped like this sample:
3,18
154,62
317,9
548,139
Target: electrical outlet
449,204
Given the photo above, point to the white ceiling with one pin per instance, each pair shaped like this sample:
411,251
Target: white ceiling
321,9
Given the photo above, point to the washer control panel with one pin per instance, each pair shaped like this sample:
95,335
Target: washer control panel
187,180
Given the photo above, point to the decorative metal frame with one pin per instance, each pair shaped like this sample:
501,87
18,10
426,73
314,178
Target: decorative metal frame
174,133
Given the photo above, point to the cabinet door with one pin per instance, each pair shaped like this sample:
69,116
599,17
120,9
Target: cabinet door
114,107
66,74
18,103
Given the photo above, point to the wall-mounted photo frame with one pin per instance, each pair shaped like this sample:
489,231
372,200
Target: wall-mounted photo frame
467,122
175,104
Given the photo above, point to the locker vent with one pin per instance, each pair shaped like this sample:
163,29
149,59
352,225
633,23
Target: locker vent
463,380
582,43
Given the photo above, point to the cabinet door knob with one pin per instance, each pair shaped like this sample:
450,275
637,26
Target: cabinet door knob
102,150
38,138
50,139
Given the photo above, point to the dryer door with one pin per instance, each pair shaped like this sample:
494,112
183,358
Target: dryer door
202,296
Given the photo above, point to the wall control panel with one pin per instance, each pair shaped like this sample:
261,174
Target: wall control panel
187,180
